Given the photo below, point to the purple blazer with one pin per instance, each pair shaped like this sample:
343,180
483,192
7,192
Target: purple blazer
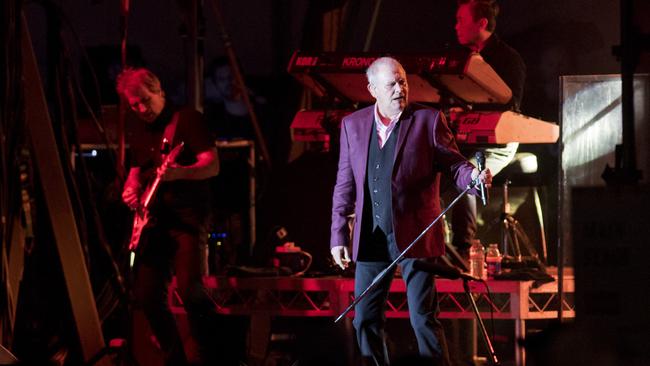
425,148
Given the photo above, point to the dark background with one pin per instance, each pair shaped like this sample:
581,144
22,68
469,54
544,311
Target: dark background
554,38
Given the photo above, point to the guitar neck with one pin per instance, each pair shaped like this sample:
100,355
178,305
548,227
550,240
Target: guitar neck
167,159
148,197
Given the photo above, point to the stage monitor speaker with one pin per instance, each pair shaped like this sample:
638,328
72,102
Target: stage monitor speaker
612,269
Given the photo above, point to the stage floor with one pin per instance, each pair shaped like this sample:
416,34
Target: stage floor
263,298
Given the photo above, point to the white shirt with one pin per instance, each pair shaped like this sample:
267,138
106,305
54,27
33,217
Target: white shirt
383,131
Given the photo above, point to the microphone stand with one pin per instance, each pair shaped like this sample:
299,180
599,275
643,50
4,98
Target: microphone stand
479,320
383,273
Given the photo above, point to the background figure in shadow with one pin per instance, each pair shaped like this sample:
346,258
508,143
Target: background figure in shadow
225,110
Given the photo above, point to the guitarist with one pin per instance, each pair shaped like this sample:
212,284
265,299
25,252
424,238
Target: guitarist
172,239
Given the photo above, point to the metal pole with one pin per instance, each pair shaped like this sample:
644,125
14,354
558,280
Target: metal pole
561,188
628,63
241,85
371,27
193,57
121,143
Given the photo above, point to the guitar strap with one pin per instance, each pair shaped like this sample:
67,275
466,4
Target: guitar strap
170,130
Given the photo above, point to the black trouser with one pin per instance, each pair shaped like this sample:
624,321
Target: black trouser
166,252
369,318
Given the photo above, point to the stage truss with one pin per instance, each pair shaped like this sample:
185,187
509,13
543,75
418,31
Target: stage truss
516,301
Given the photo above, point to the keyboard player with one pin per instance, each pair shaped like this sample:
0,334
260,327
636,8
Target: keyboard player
475,26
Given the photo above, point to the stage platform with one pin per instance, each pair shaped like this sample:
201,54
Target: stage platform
268,297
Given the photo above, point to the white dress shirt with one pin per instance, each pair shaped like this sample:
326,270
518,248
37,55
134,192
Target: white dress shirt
383,131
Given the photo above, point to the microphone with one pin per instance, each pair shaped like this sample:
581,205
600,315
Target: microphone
443,270
480,161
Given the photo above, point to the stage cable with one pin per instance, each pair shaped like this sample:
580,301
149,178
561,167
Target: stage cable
66,85
10,138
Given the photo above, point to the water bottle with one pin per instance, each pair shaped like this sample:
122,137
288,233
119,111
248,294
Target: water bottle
493,259
477,259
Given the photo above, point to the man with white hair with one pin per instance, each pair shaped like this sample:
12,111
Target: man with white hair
391,159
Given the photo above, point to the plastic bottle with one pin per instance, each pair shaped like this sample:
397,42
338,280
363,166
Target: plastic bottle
493,259
477,259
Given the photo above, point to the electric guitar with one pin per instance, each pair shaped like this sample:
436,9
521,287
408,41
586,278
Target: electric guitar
141,217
